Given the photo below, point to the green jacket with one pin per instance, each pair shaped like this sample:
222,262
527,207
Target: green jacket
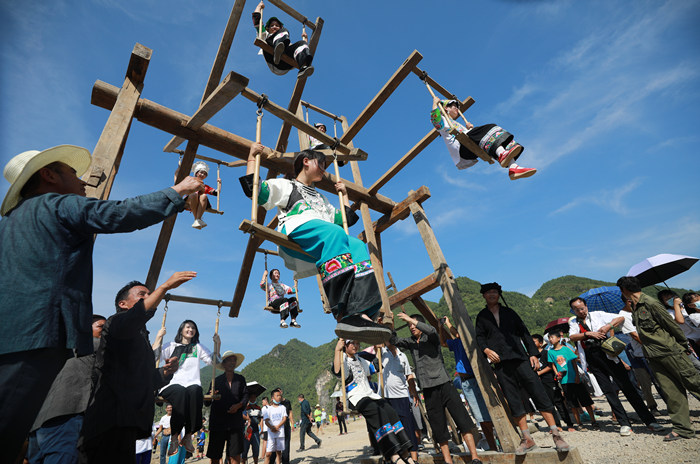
660,334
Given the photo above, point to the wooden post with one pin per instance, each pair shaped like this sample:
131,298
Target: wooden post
108,152
482,371
372,243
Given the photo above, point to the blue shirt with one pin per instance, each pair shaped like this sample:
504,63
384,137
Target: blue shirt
46,245
463,364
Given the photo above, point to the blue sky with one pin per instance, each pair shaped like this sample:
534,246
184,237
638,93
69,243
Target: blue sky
604,95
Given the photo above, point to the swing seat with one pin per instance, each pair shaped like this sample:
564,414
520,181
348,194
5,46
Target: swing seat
469,143
213,211
277,311
278,238
268,49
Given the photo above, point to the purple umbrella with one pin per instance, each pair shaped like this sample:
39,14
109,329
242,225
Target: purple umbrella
660,268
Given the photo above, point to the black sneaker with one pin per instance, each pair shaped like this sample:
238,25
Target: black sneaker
318,443
305,71
278,52
358,328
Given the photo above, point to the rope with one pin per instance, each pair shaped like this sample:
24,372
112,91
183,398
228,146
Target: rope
216,352
162,325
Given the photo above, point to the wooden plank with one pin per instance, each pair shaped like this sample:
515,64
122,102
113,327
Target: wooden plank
230,164
268,252
422,307
412,291
222,53
321,111
303,138
278,238
196,300
226,91
469,143
293,13
399,212
462,321
258,42
106,157
171,121
412,153
299,85
445,93
166,230
379,99
295,121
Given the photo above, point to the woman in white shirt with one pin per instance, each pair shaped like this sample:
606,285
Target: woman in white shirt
184,392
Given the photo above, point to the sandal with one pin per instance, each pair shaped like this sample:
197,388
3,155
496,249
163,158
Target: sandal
672,437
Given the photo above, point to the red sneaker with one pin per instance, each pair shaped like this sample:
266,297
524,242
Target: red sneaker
508,156
517,172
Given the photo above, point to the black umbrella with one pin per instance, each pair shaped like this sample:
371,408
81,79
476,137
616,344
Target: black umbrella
661,267
254,388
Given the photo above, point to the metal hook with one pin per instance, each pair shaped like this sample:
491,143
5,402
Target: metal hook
423,76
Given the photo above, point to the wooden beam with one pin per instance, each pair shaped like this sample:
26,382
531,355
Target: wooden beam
222,53
278,238
295,121
267,252
411,292
196,300
321,111
399,212
299,85
462,321
445,93
382,96
303,138
230,164
166,230
412,153
168,120
226,91
293,13
109,150
258,42
430,317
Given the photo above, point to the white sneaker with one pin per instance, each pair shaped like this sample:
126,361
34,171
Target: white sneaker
202,224
283,325
195,224
625,431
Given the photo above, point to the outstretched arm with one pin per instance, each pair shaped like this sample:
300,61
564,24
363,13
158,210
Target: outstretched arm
177,279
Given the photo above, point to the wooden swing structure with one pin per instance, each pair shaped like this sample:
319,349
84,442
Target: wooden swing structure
125,105
264,46
267,307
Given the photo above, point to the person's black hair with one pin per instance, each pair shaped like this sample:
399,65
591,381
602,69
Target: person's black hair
34,181
301,395
276,390
123,293
265,398
629,283
556,333
575,299
275,269
418,317
688,299
665,294
307,154
97,317
539,338
178,336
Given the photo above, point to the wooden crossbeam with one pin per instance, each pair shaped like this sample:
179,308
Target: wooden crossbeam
258,42
320,111
109,150
299,86
427,313
412,153
412,291
382,96
226,91
399,212
278,238
473,147
293,13
171,121
295,121
217,68
230,164
445,93
196,300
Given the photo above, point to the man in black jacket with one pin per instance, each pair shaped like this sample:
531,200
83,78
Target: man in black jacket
124,377
226,423
501,334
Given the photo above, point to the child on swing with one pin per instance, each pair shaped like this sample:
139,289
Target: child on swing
308,219
277,36
495,141
278,299
198,202
184,392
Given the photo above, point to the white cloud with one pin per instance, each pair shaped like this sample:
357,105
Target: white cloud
611,200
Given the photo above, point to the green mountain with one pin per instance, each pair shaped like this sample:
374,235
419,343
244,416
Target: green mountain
297,367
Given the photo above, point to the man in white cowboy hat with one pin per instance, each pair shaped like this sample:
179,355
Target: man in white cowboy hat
226,423
47,234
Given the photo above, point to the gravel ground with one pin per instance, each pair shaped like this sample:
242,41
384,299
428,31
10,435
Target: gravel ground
604,446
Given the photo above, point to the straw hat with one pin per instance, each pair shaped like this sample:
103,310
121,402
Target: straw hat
20,168
228,354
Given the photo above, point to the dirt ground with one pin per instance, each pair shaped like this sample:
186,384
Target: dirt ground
603,446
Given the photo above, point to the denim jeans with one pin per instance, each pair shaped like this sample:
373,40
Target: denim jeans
164,441
474,398
56,442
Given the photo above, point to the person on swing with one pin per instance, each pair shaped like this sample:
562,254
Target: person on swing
198,202
496,142
308,219
277,36
278,298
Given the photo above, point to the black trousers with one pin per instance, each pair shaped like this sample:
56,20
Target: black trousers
385,425
341,423
603,368
115,446
436,400
555,395
187,405
297,50
292,308
515,375
304,430
25,381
